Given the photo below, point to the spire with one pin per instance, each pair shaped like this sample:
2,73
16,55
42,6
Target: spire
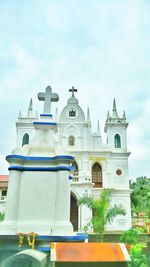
114,114
124,115
30,109
20,114
88,115
114,105
108,116
98,128
36,114
56,114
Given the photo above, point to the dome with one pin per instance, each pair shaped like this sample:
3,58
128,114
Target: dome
72,100
72,112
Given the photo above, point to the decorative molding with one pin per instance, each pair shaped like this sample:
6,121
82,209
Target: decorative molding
28,158
58,168
44,123
46,115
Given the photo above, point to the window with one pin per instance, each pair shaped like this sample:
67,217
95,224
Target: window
25,139
72,113
117,141
97,175
3,194
118,172
75,172
71,140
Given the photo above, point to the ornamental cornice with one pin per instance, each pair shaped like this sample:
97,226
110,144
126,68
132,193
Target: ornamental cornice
81,185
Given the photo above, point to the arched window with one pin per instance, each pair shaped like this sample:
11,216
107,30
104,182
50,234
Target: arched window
97,175
25,139
76,171
71,140
117,141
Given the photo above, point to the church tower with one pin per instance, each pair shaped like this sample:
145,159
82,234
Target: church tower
115,128
24,126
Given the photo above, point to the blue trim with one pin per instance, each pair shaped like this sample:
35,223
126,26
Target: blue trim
26,158
70,177
44,123
46,115
58,168
78,237
43,249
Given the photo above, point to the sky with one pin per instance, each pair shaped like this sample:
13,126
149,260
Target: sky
102,47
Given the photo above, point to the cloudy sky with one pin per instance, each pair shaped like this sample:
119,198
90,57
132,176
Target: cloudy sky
102,47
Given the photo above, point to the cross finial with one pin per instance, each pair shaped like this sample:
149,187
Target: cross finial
73,90
48,97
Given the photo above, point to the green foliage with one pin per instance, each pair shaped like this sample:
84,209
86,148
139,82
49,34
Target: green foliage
140,196
102,211
2,215
113,212
141,229
130,236
138,257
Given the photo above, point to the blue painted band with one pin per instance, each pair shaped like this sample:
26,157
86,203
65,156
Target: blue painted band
26,158
50,169
43,249
44,123
46,115
79,237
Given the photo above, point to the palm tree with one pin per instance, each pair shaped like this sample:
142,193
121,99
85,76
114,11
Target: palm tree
102,210
140,196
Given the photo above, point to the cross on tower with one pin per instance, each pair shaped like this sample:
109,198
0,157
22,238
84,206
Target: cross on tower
48,97
73,90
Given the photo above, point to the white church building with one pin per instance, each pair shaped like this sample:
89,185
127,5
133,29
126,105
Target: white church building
98,165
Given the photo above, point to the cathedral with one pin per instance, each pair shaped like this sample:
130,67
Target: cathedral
97,164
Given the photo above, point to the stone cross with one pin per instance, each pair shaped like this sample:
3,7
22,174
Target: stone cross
48,97
73,90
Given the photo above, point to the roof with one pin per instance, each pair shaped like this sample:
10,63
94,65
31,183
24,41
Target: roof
89,252
4,180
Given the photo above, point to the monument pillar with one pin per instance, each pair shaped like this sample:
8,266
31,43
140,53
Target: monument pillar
39,185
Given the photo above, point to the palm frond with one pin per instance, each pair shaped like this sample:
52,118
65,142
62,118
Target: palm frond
113,212
88,201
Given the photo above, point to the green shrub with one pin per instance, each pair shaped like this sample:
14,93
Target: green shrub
130,236
138,257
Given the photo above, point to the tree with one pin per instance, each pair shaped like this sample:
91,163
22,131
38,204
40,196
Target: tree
140,196
2,214
102,210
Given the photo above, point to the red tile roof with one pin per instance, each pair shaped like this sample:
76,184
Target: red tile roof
4,178
4,181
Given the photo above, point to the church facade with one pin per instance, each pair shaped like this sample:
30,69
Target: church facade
97,164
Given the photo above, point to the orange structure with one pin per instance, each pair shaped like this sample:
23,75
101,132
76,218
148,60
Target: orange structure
93,254
148,228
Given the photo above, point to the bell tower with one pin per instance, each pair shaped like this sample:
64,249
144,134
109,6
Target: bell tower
115,128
